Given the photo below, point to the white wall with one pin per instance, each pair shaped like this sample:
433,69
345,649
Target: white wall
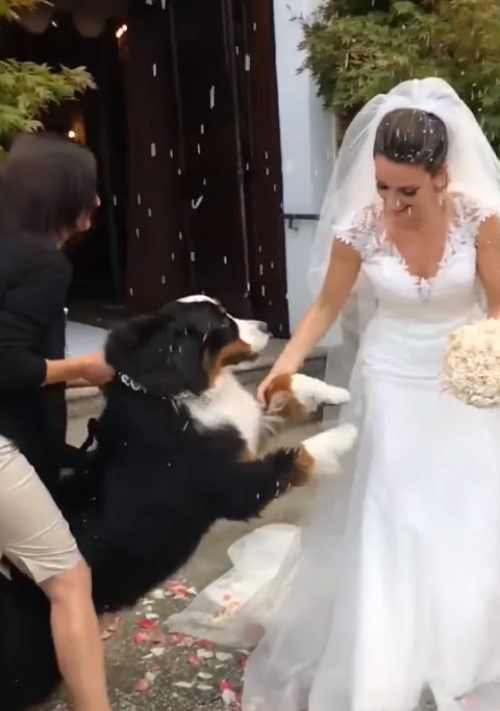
307,141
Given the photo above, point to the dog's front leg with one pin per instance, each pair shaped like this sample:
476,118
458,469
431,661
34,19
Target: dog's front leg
292,398
244,490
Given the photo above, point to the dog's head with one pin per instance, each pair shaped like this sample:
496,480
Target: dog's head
184,346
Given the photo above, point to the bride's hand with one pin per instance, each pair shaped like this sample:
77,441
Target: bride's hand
273,373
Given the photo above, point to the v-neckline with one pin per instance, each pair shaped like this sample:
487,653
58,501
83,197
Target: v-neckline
419,279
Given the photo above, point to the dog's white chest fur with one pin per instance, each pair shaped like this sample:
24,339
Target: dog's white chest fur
228,403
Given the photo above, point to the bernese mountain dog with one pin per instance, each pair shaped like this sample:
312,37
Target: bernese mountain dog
176,449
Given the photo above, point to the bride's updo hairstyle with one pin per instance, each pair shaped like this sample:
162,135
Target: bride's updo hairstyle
413,136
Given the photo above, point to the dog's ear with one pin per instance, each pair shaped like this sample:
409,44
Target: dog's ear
164,358
178,369
124,341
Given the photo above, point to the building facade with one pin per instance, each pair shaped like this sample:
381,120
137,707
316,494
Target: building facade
213,150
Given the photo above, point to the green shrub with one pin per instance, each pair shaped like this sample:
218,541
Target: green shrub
27,89
356,49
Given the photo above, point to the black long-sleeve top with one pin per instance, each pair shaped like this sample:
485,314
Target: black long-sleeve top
34,277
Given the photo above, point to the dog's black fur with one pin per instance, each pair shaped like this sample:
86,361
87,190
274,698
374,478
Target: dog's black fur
150,490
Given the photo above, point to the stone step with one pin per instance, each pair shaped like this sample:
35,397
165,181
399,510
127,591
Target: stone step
86,402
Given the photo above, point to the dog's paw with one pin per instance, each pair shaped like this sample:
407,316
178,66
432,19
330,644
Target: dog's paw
311,393
327,447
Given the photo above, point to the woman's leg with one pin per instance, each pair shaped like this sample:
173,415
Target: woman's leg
36,538
77,638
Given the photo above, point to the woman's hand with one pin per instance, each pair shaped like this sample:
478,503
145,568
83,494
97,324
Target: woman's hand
94,369
276,371
343,270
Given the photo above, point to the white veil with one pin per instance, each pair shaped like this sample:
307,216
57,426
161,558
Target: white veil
473,167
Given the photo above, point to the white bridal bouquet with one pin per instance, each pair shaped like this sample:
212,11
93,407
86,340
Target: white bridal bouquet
471,367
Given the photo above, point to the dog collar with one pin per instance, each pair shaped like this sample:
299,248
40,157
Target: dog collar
129,383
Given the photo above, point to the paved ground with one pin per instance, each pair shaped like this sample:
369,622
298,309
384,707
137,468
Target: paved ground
150,670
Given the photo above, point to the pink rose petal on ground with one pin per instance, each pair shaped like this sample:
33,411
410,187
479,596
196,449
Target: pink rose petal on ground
194,660
146,624
206,644
176,639
142,685
228,693
178,590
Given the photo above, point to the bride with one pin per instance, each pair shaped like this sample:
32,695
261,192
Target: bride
392,588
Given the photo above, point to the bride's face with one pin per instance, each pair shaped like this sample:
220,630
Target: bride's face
406,188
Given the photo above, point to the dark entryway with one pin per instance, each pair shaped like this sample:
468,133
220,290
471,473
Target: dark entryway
98,119
185,127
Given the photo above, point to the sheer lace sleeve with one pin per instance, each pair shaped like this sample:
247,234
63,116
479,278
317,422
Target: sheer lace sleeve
361,233
471,215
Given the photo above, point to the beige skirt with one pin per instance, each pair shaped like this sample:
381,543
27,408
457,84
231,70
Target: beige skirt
33,533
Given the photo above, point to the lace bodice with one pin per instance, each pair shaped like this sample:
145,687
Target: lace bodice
383,263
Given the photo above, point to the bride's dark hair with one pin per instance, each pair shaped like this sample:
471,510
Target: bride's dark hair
413,136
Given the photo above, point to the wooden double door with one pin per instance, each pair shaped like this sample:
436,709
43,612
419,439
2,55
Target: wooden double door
204,161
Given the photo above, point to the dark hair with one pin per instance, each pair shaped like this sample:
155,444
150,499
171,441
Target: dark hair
46,184
413,136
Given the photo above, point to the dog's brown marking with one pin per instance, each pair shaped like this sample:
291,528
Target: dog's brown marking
246,455
236,352
303,468
280,399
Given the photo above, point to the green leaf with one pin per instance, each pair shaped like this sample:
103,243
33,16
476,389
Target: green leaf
27,89
358,48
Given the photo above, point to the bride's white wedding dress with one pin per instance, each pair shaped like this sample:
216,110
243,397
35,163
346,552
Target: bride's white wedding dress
393,585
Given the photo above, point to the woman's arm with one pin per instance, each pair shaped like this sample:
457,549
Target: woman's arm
343,270
90,369
29,305
488,263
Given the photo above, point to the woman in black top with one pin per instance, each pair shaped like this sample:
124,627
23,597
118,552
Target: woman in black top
47,193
